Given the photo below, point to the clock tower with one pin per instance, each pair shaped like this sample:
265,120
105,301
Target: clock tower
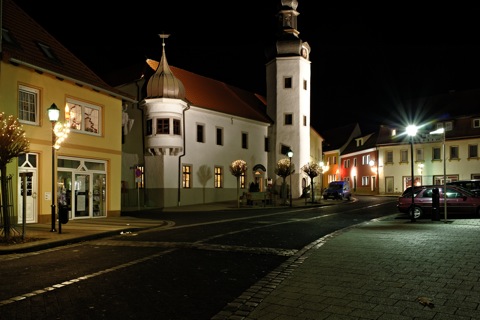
288,73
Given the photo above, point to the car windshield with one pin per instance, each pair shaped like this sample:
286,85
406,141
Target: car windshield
335,186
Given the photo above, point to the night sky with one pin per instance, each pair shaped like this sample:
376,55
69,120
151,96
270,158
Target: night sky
366,61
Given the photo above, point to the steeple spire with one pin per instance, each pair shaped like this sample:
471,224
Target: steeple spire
164,84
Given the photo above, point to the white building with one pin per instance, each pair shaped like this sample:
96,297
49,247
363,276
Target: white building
188,129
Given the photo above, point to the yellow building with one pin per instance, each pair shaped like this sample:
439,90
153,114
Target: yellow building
36,72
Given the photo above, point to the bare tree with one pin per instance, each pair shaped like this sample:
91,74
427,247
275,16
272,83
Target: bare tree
12,143
204,174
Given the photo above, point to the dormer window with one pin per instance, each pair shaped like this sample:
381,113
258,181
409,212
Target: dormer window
8,38
48,52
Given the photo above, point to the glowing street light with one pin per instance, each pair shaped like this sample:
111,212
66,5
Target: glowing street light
412,132
442,131
59,134
290,155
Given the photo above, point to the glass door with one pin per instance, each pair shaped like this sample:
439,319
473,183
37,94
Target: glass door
82,203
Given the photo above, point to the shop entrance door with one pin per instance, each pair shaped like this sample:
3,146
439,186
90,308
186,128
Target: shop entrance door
82,200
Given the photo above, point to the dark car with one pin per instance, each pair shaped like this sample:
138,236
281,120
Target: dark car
337,190
472,185
459,200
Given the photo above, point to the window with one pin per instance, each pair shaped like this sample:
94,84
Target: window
288,83
305,85
476,123
419,155
244,140
84,117
389,157
354,162
448,126
28,105
219,136
186,176
149,128
140,177
47,51
267,144
403,156
288,119
200,133
472,151
163,126
218,177
346,163
7,36
176,127
436,153
304,121
453,152
242,180
365,181
365,159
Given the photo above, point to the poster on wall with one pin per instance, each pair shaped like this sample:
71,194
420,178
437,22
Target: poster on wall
81,202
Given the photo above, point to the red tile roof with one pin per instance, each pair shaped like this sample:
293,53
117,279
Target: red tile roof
218,96
27,34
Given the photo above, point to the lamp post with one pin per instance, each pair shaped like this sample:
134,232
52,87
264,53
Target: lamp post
412,131
53,115
442,131
290,155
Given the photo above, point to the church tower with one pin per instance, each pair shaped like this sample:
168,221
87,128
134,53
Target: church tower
288,73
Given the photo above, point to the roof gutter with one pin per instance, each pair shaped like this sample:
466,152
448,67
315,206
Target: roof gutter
114,94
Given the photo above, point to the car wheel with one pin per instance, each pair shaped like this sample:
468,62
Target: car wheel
417,212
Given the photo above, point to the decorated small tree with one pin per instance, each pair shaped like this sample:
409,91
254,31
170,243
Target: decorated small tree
12,143
312,170
237,168
284,169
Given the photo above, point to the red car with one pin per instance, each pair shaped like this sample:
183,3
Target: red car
459,200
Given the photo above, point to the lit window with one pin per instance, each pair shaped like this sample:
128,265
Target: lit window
218,177
186,176
84,117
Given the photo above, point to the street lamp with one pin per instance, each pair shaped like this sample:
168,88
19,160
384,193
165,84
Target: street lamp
59,134
442,131
412,132
290,155
53,115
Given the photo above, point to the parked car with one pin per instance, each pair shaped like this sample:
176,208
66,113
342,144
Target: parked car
338,190
459,200
472,185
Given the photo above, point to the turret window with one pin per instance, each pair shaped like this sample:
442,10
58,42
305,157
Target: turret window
176,127
163,126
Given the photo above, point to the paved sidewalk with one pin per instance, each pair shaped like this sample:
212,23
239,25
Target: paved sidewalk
384,269
390,268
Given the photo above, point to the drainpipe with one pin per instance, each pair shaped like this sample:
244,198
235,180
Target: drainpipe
145,193
180,157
